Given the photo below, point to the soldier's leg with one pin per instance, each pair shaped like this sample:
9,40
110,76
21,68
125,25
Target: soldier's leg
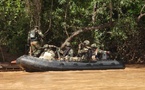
38,49
31,49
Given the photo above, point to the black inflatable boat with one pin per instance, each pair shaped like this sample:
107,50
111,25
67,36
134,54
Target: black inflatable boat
34,64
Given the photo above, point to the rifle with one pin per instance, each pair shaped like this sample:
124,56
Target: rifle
27,48
66,51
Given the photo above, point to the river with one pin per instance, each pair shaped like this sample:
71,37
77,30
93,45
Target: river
130,78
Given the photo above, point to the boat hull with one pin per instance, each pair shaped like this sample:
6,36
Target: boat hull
34,64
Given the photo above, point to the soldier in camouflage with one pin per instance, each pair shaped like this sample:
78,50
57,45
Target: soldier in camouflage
85,50
98,53
68,51
34,37
48,53
95,52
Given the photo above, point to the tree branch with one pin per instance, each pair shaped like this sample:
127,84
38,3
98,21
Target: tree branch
50,19
111,10
141,14
86,29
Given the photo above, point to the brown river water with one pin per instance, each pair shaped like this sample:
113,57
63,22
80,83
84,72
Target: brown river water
130,78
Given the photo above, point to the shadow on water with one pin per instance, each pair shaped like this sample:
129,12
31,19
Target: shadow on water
135,65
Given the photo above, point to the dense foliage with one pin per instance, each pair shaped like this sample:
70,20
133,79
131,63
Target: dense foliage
113,24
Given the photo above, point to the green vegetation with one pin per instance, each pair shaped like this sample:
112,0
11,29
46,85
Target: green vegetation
115,25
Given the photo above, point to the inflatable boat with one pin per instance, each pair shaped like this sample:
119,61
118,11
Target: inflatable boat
34,64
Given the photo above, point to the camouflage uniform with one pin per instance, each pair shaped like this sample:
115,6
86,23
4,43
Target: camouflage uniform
34,41
95,51
48,53
85,50
68,51
98,53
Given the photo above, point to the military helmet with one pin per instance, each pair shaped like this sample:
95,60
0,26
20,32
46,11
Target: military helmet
46,46
68,44
86,42
93,45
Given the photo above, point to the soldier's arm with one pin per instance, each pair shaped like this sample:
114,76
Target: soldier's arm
103,51
82,51
53,46
40,33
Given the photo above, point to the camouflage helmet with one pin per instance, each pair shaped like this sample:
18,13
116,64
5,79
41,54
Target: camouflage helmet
68,44
86,42
46,46
93,45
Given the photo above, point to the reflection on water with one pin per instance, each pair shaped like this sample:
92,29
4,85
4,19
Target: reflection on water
127,79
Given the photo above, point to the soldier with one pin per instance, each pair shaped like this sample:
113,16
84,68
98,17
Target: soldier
98,53
85,50
48,53
68,51
34,37
94,51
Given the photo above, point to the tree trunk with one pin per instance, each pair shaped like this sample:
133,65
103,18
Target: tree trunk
94,13
34,10
111,10
65,17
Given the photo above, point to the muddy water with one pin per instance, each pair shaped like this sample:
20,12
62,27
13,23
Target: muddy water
127,79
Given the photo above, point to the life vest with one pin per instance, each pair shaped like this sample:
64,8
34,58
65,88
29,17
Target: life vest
33,34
